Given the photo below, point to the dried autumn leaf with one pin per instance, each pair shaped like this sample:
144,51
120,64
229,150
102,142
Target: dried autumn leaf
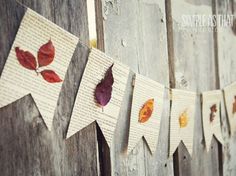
183,119
46,54
213,111
234,105
146,111
108,79
26,59
50,76
104,89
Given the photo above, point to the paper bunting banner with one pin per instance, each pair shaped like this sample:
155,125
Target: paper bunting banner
211,103
88,103
147,106
230,101
182,119
37,63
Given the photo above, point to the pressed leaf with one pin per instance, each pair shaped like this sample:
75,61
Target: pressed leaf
46,54
108,79
213,111
183,119
103,89
26,59
50,76
146,111
234,105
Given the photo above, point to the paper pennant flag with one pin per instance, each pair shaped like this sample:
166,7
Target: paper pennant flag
182,119
86,109
230,101
40,55
147,107
211,102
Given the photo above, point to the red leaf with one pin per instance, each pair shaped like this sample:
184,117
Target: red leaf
46,54
50,76
26,59
104,88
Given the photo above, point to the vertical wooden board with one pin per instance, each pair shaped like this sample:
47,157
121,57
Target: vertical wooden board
25,142
11,15
72,16
135,34
227,74
181,161
104,157
83,153
194,69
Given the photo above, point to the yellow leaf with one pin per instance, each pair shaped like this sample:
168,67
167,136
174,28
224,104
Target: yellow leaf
146,111
93,43
183,119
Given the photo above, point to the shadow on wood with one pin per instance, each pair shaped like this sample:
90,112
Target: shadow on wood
216,156
26,145
182,156
88,152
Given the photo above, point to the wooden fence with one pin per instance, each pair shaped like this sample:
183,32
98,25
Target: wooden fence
145,35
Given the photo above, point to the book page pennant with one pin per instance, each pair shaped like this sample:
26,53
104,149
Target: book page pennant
86,110
182,119
211,103
147,107
37,64
230,102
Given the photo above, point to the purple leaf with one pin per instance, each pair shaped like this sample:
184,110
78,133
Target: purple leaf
104,88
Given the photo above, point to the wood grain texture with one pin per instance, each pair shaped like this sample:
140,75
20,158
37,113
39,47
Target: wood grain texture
195,69
83,154
227,74
25,142
43,152
12,14
135,33
99,25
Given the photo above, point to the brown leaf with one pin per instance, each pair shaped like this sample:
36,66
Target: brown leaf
50,76
234,105
103,89
46,54
146,111
26,59
213,111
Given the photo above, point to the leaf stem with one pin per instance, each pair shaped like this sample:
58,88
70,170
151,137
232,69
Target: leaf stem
37,71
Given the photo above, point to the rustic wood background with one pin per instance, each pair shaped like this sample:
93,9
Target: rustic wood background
143,34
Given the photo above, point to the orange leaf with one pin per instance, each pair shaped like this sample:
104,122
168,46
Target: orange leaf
146,111
183,119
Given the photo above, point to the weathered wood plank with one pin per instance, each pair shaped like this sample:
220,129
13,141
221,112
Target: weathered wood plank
25,142
195,69
72,16
135,33
83,154
99,24
75,21
227,74
11,15
182,165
